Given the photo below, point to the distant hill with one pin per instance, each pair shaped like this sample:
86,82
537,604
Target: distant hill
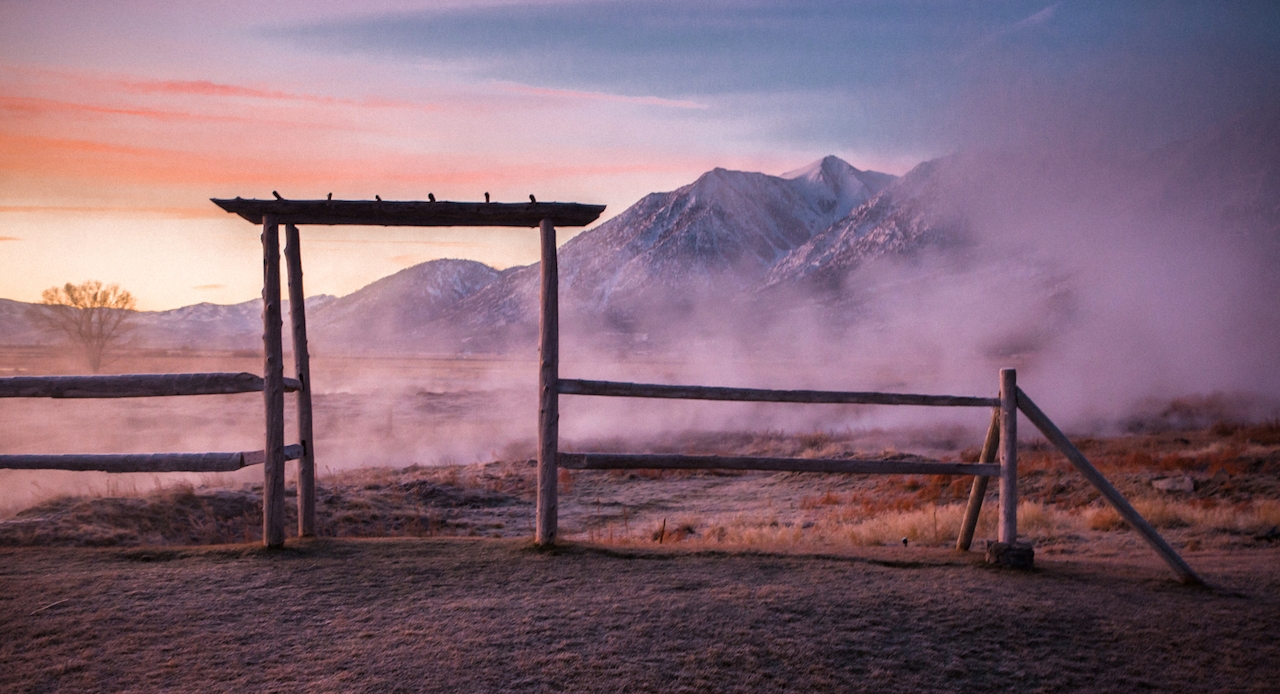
393,312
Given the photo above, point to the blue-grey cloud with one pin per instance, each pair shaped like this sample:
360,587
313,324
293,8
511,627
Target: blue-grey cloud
919,71
673,48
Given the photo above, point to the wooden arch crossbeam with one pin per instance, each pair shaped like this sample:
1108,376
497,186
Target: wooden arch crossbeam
273,213
389,213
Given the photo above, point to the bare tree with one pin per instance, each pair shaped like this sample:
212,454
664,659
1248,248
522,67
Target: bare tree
90,315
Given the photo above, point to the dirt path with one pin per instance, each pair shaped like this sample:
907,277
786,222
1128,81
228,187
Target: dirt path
488,615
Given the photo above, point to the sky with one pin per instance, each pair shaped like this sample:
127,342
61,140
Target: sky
119,120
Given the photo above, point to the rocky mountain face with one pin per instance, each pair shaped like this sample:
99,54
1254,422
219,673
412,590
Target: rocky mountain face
903,217
396,311
716,238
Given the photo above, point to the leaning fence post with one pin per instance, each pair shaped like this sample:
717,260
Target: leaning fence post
978,490
302,362
548,389
273,387
1110,493
1008,456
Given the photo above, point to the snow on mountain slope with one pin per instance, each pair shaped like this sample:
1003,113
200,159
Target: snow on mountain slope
903,217
394,309
203,325
835,187
722,233
725,229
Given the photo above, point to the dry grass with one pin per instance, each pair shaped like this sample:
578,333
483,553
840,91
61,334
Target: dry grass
929,526
1235,502
373,502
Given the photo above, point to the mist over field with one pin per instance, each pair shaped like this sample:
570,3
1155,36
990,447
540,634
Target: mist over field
1103,216
885,196
1117,284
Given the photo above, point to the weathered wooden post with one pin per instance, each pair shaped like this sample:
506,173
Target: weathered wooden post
302,362
1008,456
978,491
273,387
548,389
1110,493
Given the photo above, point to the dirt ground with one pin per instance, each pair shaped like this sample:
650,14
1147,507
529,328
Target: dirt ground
419,614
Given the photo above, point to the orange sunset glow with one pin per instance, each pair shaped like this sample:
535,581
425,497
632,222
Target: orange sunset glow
122,165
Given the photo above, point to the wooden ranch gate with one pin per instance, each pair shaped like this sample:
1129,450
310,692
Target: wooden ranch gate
271,214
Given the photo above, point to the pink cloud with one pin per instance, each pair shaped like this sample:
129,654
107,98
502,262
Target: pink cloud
214,89
46,107
599,96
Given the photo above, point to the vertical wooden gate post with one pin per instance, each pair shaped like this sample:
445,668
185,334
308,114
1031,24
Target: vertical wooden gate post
1008,455
548,389
273,387
302,362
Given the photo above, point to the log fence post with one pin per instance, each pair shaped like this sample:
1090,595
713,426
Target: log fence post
302,362
548,390
978,491
1008,456
1109,492
273,387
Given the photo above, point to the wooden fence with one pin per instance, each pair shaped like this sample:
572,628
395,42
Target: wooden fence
999,457
140,386
272,385
271,215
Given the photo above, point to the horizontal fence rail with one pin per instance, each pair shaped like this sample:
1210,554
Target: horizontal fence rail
573,386
632,461
135,385
144,462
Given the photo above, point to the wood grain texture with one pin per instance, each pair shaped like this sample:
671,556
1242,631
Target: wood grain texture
978,490
273,388
1109,492
641,461
142,462
302,364
1008,527
413,213
134,385
548,390
572,386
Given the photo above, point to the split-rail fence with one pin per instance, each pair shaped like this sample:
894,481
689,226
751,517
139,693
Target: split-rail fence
999,457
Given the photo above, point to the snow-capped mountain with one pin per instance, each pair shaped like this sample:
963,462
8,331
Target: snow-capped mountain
203,325
903,217
394,309
835,187
722,234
